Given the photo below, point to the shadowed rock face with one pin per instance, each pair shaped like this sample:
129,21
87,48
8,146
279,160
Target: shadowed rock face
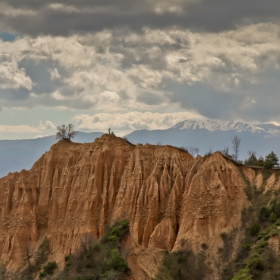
171,199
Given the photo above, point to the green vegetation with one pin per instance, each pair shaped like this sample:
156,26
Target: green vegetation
48,269
269,162
183,265
255,229
43,252
256,258
98,260
94,260
243,274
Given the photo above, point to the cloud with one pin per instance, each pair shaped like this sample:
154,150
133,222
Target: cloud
23,129
230,74
46,17
47,125
11,76
18,129
54,74
132,120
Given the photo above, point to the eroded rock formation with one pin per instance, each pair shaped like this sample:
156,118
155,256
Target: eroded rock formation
171,200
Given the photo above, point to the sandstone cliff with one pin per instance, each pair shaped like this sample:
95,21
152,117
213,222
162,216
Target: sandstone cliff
172,200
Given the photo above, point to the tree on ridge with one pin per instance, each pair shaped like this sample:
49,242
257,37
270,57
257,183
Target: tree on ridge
271,160
66,132
235,145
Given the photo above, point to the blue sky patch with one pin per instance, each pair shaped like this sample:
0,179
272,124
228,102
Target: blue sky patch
8,37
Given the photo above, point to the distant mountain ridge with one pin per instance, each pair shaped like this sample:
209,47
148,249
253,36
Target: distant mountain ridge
238,126
214,135
16,155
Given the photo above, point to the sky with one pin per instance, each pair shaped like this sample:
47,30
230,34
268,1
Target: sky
132,65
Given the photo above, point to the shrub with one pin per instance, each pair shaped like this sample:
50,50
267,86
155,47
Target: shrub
264,214
183,265
272,217
98,259
243,274
119,230
204,246
48,269
43,252
254,229
249,192
246,246
68,257
262,244
116,262
255,263
223,235
181,257
276,208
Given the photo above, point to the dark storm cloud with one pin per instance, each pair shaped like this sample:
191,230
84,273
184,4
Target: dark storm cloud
49,17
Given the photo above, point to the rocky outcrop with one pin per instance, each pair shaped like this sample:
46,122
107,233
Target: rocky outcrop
172,200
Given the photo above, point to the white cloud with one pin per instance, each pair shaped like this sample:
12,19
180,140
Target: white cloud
24,128
132,120
54,74
47,125
18,129
11,77
57,96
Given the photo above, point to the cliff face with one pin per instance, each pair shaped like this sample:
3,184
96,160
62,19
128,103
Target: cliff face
172,200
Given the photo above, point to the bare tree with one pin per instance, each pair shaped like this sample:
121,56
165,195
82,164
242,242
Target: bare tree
28,255
252,153
194,151
235,145
66,132
225,151
209,153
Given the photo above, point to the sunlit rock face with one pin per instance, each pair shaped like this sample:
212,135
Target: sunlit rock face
172,200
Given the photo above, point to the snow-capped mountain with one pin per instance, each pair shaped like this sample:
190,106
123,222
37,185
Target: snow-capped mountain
215,135
270,128
238,126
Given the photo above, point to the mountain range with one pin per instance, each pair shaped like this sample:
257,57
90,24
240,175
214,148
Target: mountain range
205,134
215,135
